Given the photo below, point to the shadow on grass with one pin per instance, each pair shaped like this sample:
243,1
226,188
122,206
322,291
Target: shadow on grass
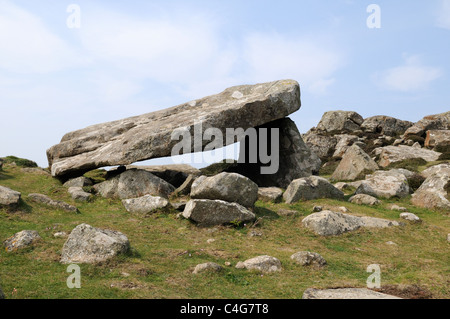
262,212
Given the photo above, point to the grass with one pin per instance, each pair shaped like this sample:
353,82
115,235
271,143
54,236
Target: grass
165,250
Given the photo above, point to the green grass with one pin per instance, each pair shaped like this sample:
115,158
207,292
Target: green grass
165,250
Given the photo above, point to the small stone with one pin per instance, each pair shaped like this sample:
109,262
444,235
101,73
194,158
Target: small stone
410,217
255,233
398,208
227,263
21,240
79,194
265,264
363,199
317,209
210,241
344,210
391,243
60,234
306,258
287,212
212,267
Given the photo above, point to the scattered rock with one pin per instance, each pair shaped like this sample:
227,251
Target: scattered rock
208,213
255,233
363,199
9,197
21,240
433,193
175,174
322,146
270,194
286,212
207,267
354,163
317,209
438,139
398,208
309,188
90,245
340,122
43,199
79,194
265,264
145,204
343,210
410,217
385,125
391,243
60,235
344,143
441,169
229,187
78,182
328,223
210,241
345,293
430,122
306,258
384,184
393,154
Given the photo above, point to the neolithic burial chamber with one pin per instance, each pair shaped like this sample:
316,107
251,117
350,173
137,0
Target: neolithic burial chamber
150,136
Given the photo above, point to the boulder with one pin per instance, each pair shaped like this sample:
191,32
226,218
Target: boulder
145,204
354,163
344,142
410,217
309,188
384,184
264,264
207,213
385,125
43,199
78,182
393,154
230,187
270,194
79,194
147,136
329,223
295,159
438,139
399,208
321,145
306,258
441,169
9,197
430,122
345,293
363,199
185,188
90,245
335,122
207,267
175,174
433,193
134,183
21,240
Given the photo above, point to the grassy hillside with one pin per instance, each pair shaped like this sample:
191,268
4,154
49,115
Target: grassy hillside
165,250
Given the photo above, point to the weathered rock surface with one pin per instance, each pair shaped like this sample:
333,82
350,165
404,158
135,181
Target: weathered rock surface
43,199
344,142
207,213
265,264
309,188
340,122
148,136
363,199
410,217
207,267
439,139
385,125
230,187
430,122
345,293
270,194
441,169
79,194
321,145
21,240
306,258
145,204
393,154
328,223
384,184
134,183
185,188
78,182
90,245
9,197
295,158
354,163
433,193
175,174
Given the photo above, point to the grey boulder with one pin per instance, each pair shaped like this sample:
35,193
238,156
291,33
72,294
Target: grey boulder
145,204
354,163
340,122
9,197
44,199
306,258
264,264
363,199
309,188
384,184
21,240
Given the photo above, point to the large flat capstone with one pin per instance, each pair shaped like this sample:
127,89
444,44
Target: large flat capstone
148,136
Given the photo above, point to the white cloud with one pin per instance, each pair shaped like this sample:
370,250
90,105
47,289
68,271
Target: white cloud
443,15
274,56
28,46
411,76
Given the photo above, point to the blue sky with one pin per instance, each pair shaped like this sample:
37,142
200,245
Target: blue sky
130,58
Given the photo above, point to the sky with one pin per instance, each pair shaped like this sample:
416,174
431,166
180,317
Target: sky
65,65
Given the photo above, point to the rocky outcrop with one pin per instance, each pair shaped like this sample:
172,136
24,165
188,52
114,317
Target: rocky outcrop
430,122
345,293
134,183
321,145
90,245
306,258
384,184
309,188
9,197
145,205
21,240
438,140
345,141
139,138
393,154
207,213
43,199
265,264
385,125
230,187
329,223
334,122
433,193
354,163
441,169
